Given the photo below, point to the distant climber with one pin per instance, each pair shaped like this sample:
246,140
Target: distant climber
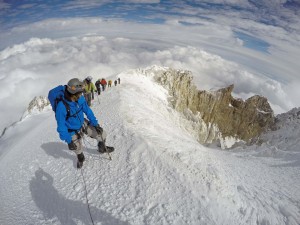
109,83
89,90
116,82
98,86
103,84
119,80
70,106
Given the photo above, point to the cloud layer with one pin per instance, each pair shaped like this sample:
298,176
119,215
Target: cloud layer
32,68
253,45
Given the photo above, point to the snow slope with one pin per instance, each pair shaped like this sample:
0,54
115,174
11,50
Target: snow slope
159,173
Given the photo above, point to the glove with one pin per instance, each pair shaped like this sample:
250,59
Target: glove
99,129
72,146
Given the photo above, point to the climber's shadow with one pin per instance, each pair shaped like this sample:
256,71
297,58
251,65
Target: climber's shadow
56,206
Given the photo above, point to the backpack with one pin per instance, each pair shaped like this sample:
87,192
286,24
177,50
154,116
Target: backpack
55,95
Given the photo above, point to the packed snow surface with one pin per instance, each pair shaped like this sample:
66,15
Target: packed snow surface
159,174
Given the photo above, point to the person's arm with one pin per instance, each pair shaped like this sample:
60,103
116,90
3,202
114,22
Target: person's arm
60,115
93,87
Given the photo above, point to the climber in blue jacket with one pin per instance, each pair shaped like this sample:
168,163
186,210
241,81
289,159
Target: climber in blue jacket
70,106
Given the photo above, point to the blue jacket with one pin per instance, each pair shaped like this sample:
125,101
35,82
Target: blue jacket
76,119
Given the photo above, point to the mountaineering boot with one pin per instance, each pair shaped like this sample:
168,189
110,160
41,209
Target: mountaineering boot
80,161
101,148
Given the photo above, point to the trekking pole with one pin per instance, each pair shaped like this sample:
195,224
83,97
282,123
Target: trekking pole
98,98
105,147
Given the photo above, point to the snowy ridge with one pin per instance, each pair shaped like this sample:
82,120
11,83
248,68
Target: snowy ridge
169,122
181,97
159,173
36,106
285,136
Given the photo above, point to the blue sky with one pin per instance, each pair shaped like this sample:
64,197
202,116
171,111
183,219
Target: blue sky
253,42
271,11
277,13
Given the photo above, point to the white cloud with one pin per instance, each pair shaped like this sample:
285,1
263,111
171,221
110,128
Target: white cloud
77,4
27,6
87,4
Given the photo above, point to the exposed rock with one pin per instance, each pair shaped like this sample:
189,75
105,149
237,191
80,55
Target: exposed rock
219,116
37,105
285,133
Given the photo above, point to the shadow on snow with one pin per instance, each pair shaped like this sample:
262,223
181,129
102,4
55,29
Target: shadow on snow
54,205
60,150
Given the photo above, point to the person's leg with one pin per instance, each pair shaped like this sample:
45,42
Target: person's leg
76,138
91,131
101,138
89,97
86,96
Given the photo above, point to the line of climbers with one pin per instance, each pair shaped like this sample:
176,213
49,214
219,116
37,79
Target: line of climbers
90,88
70,105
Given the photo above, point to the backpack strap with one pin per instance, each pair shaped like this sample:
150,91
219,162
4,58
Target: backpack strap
67,108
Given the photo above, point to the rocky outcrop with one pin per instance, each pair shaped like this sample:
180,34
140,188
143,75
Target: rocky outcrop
219,116
284,136
37,105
